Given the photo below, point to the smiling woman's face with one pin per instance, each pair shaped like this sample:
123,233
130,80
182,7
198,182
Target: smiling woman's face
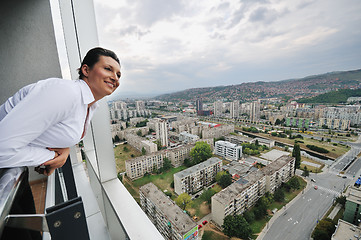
103,77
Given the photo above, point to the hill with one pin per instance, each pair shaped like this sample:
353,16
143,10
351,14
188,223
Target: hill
339,96
310,86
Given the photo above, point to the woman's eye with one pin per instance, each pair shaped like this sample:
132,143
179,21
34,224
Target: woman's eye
107,68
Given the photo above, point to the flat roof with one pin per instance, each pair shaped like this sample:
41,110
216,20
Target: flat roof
227,144
353,194
175,215
197,167
346,230
274,154
233,190
276,165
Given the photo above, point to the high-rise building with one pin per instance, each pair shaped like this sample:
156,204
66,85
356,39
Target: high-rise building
139,105
254,111
161,131
228,150
199,105
218,108
234,109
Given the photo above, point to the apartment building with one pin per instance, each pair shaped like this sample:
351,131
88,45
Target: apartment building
334,123
278,172
218,108
228,150
352,212
195,178
262,141
139,105
137,167
238,197
169,219
186,137
218,131
244,193
234,109
161,130
139,143
237,139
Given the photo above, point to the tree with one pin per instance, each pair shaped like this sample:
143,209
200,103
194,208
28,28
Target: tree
260,209
296,153
325,228
125,149
139,133
225,180
116,138
207,195
166,164
279,195
236,226
294,183
201,152
305,173
219,175
249,216
183,200
143,151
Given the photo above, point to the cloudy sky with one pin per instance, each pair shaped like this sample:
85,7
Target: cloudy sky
167,46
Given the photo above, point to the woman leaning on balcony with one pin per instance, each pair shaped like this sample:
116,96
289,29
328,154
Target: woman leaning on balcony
42,120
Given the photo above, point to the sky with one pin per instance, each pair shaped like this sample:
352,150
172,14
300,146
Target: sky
167,46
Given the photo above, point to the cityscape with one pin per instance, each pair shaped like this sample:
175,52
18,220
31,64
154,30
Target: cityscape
271,168
231,120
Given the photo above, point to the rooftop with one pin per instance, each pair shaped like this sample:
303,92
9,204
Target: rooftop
274,154
276,165
227,144
175,215
198,167
346,230
353,194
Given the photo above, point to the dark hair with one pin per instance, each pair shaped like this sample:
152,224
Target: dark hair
92,57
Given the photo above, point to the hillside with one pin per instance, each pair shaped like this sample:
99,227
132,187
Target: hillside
310,86
339,96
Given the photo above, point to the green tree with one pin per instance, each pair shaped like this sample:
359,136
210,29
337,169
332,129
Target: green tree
279,195
236,226
207,195
324,226
219,175
166,164
306,172
201,152
143,151
139,133
225,180
183,200
249,216
296,153
294,183
125,149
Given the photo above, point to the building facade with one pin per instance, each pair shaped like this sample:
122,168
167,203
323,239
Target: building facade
228,150
169,219
244,193
352,212
195,178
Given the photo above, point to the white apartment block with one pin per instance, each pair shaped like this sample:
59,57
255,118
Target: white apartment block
216,132
228,150
139,105
254,111
186,137
238,197
133,121
139,143
169,219
234,109
218,108
137,167
244,193
278,172
195,178
161,130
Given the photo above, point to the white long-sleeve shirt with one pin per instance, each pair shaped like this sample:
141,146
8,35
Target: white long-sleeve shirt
48,114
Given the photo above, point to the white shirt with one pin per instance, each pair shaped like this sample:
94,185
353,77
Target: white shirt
48,114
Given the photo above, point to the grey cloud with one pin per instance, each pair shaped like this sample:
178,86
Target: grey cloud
133,30
148,12
263,14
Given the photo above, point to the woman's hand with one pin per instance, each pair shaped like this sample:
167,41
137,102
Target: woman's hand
61,154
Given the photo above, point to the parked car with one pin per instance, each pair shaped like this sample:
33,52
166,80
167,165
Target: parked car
205,222
199,226
315,187
313,180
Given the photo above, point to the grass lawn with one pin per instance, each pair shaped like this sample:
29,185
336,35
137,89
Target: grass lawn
311,168
121,155
210,235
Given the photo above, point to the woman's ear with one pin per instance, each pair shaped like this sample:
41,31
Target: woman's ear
85,70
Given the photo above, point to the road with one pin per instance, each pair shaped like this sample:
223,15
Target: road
297,221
